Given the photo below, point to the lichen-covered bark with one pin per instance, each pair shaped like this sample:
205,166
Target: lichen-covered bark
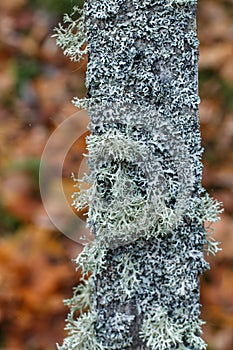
146,204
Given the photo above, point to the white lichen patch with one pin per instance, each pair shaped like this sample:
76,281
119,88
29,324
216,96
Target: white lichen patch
181,2
120,338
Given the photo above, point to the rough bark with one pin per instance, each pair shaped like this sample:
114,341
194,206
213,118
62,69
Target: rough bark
145,147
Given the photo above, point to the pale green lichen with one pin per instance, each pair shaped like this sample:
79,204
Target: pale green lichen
82,297
206,210
161,333
81,333
130,278
123,171
70,35
91,259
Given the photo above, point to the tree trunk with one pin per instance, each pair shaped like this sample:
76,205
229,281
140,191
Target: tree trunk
146,204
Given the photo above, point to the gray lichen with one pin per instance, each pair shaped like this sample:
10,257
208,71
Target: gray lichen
71,38
161,333
147,208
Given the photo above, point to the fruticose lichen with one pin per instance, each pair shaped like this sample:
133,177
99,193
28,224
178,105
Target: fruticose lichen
161,333
146,206
72,38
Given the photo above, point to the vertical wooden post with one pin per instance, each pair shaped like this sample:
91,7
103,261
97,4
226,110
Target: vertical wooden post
146,204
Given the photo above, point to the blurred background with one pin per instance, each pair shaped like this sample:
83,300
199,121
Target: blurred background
36,87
